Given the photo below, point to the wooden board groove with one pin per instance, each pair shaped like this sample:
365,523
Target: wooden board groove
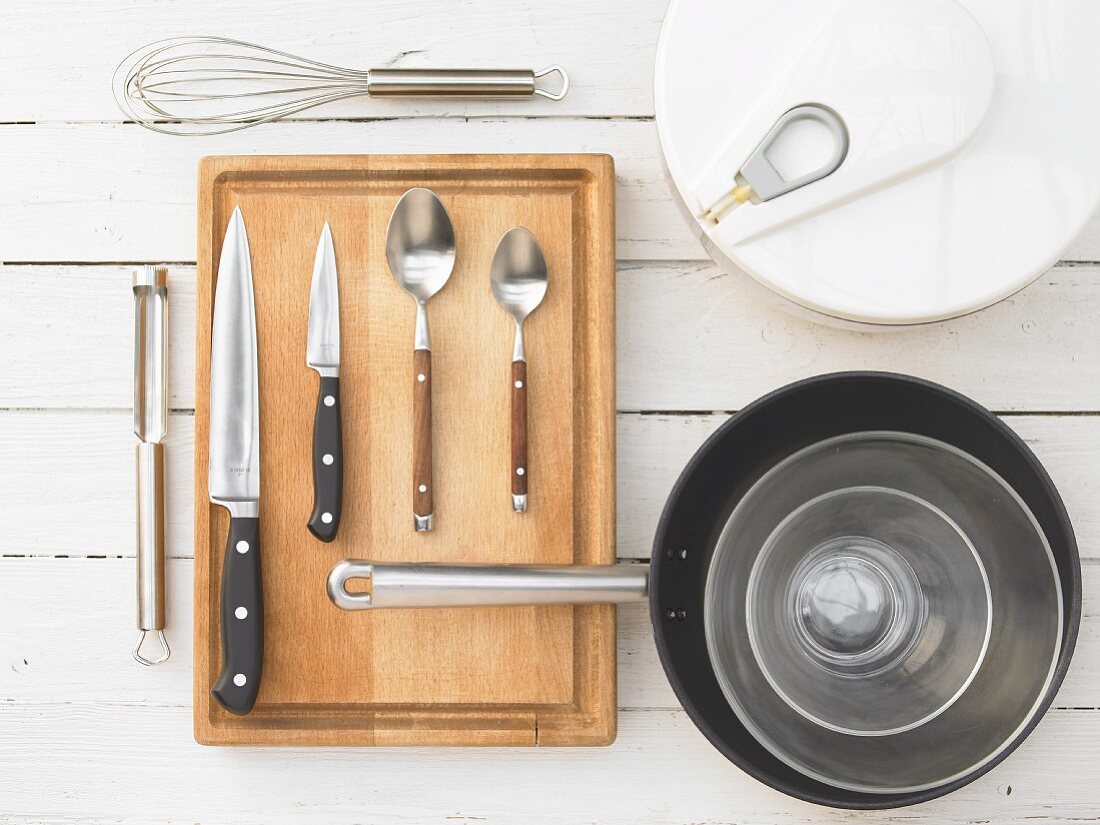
517,676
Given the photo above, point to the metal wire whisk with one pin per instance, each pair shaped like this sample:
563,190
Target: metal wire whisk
214,85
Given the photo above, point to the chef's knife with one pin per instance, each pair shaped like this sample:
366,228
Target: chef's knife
234,481
323,355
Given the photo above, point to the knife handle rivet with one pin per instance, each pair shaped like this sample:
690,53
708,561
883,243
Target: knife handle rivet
241,612
240,679
519,385
423,488
327,459
242,547
420,377
326,518
330,400
519,471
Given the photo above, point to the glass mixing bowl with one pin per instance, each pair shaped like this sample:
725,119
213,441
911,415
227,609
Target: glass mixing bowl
868,611
864,605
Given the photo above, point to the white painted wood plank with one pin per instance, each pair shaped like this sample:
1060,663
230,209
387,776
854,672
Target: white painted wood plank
121,193
137,763
80,652
70,477
653,450
70,334
689,338
64,74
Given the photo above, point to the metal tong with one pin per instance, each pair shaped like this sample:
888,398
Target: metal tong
150,425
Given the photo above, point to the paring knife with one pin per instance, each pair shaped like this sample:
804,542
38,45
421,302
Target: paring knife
323,355
234,476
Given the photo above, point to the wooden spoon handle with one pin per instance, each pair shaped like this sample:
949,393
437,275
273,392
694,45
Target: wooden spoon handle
422,440
519,436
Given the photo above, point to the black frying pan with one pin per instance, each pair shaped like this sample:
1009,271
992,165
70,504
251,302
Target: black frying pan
747,446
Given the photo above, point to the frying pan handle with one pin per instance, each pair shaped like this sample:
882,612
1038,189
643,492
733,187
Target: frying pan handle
445,585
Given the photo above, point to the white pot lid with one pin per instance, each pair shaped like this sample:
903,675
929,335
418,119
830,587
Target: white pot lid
972,154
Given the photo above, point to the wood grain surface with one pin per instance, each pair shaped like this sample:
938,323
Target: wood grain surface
422,484
514,676
519,428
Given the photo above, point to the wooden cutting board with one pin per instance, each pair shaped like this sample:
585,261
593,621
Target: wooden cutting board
469,676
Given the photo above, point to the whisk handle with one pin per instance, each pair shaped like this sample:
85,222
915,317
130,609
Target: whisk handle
461,83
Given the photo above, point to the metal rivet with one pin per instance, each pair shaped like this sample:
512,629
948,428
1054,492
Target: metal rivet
327,459
330,400
240,679
519,471
421,378
423,488
519,385
241,612
326,518
683,553
670,615
242,546
681,614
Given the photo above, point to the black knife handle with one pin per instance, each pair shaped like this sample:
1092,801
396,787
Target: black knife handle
242,616
328,462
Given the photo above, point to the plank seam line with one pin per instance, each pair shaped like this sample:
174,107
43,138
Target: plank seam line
488,118
622,264
999,413
1085,561
181,411
70,264
15,703
190,411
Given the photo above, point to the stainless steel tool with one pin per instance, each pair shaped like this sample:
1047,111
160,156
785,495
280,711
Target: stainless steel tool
234,470
518,278
323,355
420,249
211,85
150,287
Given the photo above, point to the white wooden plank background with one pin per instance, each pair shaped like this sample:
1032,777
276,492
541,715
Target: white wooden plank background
88,736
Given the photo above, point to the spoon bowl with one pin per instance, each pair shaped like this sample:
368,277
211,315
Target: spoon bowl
420,244
518,273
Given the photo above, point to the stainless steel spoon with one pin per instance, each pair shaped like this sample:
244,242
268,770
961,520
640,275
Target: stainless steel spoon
420,249
518,278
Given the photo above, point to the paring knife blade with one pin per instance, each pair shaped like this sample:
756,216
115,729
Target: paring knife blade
323,355
234,471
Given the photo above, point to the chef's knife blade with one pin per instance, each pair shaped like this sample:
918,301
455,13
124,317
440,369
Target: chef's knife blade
323,355
234,472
